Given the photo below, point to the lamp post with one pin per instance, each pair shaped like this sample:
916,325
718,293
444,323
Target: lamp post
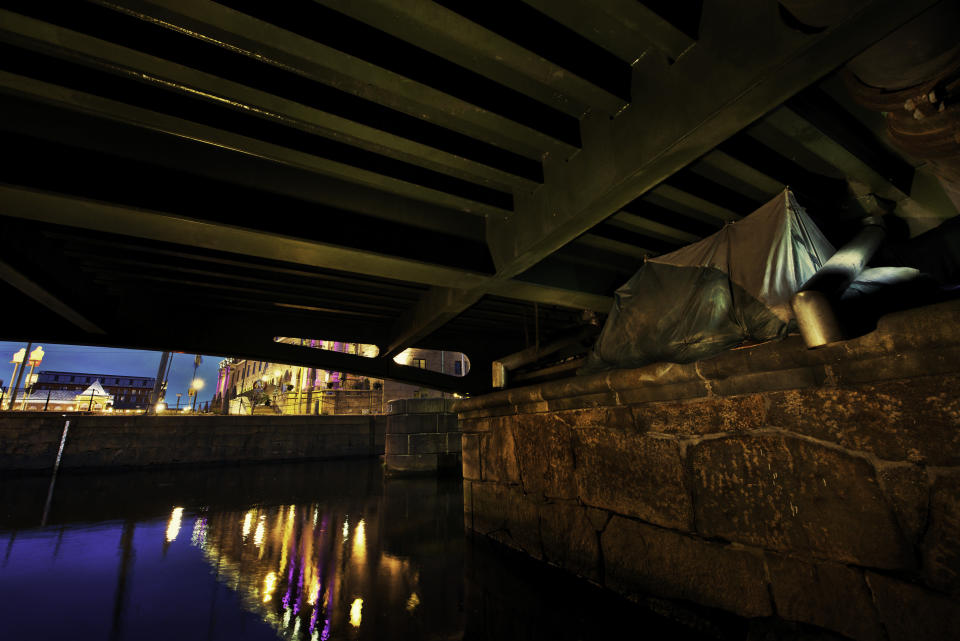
34,359
17,361
178,400
195,386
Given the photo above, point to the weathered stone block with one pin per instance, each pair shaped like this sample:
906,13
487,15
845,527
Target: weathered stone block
545,455
470,450
914,420
618,417
642,559
831,596
673,392
702,416
428,443
784,493
397,444
410,463
577,402
498,455
911,613
569,539
632,474
941,544
504,513
412,423
453,441
797,378
906,489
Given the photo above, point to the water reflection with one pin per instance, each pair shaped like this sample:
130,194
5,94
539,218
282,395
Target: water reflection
299,552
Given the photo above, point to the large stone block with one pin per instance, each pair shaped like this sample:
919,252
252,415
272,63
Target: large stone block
941,544
911,613
505,514
569,539
470,451
785,493
641,559
428,443
619,417
702,416
916,420
906,488
831,596
545,455
632,474
397,444
498,455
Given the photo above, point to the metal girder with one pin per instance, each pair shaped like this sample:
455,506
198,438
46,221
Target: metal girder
625,28
45,298
733,174
28,204
434,309
215,24
126,62
653,229
790,134
746,62
360,181
234,158
449,35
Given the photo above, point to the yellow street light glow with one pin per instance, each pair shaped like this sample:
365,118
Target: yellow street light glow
196,383
247,522
258,534
269,584
413,602
173,525
356,612
161,407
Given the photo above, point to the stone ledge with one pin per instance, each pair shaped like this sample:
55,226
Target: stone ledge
928,331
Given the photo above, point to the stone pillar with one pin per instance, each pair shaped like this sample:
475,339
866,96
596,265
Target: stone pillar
423,437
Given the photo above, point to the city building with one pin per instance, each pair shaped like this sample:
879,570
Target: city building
128,392
93,398
288,389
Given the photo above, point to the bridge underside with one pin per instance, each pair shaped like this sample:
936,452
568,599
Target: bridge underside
477,177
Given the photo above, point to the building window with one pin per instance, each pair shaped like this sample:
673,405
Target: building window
457,368
419,362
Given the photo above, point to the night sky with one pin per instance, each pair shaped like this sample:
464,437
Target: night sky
124,362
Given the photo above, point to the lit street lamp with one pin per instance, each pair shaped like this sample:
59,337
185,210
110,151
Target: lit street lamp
195,386
35,357
17,361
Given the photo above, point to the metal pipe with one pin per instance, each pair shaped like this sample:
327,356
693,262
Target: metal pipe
532,354
814,304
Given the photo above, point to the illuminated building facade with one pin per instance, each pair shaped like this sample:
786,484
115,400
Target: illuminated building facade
128,392
302,390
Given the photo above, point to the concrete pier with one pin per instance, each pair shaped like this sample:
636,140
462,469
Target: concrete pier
422,437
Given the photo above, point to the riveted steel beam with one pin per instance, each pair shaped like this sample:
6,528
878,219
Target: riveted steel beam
29,287
449,35
746,62
625,28
126,62
219,25
108,218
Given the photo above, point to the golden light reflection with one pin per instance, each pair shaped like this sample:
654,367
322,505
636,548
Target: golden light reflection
247,523
269,585
346,528
413,602
173,525
360,541
258,534
356,612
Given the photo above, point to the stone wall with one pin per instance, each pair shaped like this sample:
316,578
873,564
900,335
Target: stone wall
29,441
821,487
422,437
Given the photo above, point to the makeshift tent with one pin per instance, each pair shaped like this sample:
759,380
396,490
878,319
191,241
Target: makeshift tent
731,287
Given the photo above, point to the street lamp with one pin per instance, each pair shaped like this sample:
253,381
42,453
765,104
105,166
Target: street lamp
17,361
36,356
195,386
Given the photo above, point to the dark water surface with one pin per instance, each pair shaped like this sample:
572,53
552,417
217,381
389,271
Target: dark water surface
318,551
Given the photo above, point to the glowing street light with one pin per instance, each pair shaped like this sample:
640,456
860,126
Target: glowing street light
195,386
36,356
17,362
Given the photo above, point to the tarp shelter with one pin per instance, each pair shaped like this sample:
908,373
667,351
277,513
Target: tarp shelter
729,288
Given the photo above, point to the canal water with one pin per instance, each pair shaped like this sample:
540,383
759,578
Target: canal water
308,551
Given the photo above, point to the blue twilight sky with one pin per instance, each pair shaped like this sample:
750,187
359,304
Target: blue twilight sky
124,362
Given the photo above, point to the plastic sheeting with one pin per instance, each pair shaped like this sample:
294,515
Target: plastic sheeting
729,288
